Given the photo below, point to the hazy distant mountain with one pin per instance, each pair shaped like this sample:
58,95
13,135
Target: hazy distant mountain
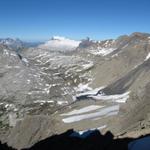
32,44
12,43
17,44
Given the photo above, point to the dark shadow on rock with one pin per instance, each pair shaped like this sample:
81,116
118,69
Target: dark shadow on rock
70,140
5,147
93,141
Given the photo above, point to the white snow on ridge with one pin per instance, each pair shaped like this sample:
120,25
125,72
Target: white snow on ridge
25,61
88,66
147,57
6,52
43,101
83,87
58,43
103,51
119,98
62,102
103,112
91,92
51,101
83,110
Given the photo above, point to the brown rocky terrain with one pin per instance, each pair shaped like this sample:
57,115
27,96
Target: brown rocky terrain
102,85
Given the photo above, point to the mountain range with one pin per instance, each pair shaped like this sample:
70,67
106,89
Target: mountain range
61,84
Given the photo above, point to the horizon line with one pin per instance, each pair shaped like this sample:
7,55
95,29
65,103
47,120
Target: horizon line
78,39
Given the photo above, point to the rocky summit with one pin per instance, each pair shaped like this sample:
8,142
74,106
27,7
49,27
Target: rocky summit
83,85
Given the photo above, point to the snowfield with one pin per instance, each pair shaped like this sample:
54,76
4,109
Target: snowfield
83,87
147,57
88,66
85,113
94,94
90,92
103,51
120,98
103,112
83,110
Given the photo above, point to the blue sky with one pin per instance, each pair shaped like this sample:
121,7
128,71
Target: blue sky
77,19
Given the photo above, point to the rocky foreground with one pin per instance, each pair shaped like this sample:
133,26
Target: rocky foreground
103,85
72,140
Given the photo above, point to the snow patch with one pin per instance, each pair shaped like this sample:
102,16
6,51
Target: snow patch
43,101
147,57
25,61
83,110
6,52
103,51
88,66
119,98
102,112
83,87
62,102
91,92
115,55
96,94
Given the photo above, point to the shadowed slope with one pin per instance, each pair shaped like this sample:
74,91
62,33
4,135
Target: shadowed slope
93,141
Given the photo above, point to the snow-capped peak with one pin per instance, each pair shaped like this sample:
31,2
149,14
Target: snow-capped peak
58,43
